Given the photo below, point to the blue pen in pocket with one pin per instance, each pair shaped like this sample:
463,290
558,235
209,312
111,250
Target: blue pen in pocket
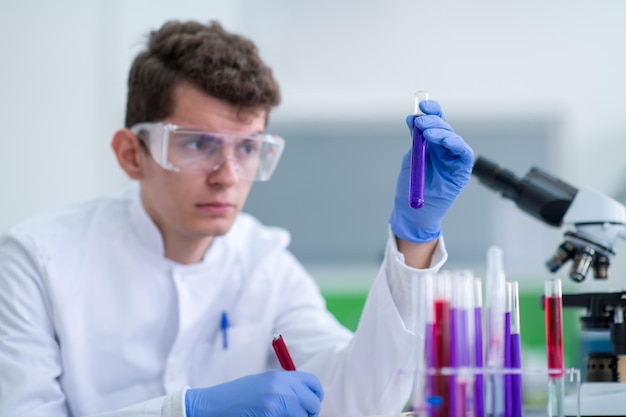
224,328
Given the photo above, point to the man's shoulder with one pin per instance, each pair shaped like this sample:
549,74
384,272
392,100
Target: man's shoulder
71,218
249,226
249,233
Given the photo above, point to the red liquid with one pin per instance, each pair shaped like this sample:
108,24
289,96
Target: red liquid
554,333
442,355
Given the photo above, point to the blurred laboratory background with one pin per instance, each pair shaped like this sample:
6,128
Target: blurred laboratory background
527,83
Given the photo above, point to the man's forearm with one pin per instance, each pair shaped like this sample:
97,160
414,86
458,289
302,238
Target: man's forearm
417,255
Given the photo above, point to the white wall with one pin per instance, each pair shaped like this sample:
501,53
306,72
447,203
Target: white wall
64,64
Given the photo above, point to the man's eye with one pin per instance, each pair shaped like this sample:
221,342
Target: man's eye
249,147
204,143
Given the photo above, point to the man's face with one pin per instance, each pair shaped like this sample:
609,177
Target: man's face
192,206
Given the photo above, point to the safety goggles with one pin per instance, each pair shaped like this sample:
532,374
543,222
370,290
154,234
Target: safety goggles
179,149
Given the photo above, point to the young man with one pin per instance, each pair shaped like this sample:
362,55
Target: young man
163,301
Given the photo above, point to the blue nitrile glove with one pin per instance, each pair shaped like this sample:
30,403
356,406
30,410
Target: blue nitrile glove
275,393
449,163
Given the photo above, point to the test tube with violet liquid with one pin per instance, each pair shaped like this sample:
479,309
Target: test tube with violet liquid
418,158
479,390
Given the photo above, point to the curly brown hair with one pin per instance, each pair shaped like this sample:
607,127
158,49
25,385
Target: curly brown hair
224,65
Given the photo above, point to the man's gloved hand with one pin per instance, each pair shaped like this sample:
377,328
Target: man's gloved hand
275,393
449,163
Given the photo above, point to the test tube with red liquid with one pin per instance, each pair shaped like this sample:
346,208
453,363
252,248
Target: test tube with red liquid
441,342
553,306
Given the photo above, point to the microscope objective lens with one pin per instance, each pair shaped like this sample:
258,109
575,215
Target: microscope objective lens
601,267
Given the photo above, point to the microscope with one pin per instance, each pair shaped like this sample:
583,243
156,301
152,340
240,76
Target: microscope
594,223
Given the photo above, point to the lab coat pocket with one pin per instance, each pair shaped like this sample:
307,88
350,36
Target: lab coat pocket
240,350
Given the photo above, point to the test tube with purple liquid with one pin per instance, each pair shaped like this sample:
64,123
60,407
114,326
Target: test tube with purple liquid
418,158
516,359
479,389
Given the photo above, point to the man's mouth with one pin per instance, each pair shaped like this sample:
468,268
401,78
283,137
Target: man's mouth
216,207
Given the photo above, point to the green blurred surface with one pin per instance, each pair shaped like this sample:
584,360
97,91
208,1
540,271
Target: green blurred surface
346,306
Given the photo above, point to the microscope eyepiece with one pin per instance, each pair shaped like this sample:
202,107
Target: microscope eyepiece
497,178
539,194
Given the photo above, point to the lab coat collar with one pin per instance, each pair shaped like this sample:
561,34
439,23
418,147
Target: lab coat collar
151,239
246,236
145,230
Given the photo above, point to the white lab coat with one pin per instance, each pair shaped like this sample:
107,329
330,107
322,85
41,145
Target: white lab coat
94,319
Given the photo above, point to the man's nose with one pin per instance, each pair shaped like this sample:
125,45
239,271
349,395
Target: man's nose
226,171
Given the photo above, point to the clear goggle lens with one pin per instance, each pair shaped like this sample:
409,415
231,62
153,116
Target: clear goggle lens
186,150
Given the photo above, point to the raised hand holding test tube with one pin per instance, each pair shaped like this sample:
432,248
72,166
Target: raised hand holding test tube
436,183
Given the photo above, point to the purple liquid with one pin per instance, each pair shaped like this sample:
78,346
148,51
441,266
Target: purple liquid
462,343
430,364
454,361
459,343
508,398
479,390
516,379
464,390
418,169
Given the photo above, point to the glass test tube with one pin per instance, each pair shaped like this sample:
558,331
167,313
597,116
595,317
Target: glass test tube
423,385
516,360
442,342
455,346
429,295
553,306
465,342
418,158
508,398
495,311
479,390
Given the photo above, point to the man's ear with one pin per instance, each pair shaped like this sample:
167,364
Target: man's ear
129,153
